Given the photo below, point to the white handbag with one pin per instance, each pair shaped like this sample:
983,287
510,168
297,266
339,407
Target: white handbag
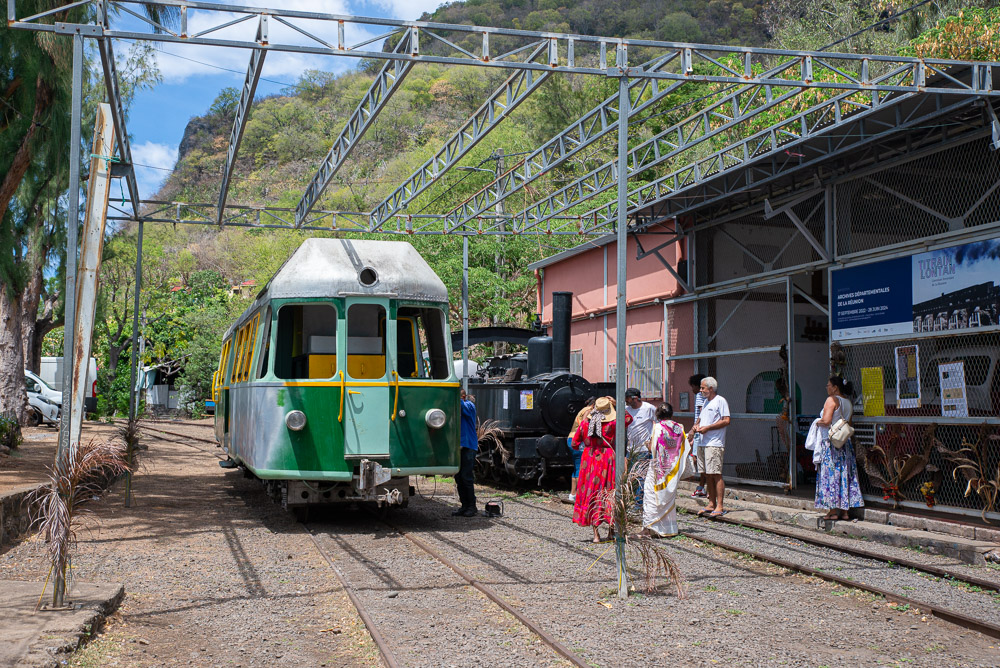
840,432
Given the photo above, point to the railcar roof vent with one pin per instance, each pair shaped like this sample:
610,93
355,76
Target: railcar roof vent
367,277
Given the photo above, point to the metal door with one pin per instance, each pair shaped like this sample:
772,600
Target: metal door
369,361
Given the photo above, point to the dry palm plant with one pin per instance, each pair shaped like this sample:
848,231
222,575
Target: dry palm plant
74,481
975,461
653,559
490,434
889,469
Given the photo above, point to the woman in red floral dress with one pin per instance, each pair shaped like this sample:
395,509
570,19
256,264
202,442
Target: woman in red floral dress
593,504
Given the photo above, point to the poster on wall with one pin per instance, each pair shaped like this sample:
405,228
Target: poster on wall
873,391
947,289
954,402
907,377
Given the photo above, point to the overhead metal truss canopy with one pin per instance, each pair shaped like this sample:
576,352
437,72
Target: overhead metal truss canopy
761,79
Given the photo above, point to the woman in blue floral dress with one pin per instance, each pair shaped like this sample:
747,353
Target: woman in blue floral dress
837,486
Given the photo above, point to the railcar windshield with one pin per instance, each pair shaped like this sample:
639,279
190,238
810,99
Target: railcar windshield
306,341
366,341
422,344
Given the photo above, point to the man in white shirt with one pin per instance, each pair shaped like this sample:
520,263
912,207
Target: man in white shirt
639,431
712,425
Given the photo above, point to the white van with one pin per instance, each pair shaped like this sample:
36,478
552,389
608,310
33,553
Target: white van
44,400
51,371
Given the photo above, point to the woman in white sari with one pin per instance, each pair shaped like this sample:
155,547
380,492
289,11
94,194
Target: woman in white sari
669,449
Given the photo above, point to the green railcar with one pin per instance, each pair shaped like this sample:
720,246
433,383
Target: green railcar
337,383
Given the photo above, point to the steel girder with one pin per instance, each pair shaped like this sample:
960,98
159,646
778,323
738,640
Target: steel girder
712,121
118,116
247,93
507,97
764,158
387,82
161,211
595,124
715,63
586,131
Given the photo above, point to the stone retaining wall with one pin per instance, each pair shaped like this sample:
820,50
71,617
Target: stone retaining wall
15,517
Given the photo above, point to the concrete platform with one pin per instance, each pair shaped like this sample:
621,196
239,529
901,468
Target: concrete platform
969,543
29,638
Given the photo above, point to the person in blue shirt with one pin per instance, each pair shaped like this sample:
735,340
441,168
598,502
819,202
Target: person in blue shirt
466,478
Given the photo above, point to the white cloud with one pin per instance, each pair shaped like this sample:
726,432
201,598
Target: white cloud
408,10
188,60
153,163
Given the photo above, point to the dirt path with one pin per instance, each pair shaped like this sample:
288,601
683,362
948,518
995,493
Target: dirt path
215,574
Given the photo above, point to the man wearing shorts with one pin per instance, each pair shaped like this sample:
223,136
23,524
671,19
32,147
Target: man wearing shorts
712,425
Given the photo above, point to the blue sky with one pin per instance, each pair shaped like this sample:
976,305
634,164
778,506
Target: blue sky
193,75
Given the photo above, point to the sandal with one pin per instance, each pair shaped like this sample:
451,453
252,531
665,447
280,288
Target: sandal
704,512
719,513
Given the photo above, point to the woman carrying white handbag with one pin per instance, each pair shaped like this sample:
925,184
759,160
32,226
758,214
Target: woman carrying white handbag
829,438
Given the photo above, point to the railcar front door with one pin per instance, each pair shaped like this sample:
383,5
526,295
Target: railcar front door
367,400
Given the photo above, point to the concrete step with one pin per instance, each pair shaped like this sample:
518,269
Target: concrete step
873,526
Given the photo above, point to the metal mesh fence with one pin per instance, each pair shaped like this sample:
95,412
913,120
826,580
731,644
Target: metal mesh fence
752,244
741,336
952,189
927,431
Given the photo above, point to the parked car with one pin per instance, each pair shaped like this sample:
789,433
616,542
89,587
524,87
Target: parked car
45,401
51,372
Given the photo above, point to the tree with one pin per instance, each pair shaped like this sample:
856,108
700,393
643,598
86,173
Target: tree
35,92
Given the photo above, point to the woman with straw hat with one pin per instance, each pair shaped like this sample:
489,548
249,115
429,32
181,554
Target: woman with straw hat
594,490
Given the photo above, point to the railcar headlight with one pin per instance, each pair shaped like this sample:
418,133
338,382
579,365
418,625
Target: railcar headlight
295,420
435,418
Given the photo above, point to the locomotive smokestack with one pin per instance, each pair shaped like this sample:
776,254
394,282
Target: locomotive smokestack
562,313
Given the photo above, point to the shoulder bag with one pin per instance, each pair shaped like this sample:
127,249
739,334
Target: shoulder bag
840,432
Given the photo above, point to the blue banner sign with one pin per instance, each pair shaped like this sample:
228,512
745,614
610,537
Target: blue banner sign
948,289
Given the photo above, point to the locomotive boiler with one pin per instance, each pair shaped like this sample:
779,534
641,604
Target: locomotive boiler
534,399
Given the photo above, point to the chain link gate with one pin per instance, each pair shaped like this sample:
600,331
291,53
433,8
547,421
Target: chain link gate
914,456
922,456
740,337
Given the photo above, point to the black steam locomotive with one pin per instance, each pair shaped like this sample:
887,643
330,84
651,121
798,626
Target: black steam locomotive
534,399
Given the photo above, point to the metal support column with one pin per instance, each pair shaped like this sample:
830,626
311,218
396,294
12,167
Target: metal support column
133,399
790,348
465,312
72,244
621,375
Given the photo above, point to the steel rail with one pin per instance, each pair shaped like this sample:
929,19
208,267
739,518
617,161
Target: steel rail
561,649
387,656
945,614
869,554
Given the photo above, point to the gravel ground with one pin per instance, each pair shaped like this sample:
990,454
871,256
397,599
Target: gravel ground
400,584
989,572
214,573
953,595
738,611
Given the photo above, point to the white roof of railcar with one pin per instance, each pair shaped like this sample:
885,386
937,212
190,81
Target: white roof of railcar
333,267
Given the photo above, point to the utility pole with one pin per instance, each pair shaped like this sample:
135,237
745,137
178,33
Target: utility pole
501,346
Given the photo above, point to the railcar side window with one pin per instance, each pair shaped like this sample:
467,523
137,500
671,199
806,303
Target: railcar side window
432,358
266,345
366,341
306,342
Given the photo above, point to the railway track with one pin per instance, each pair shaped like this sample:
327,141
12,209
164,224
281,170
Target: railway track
434,583
965,621
744,538
864,572
713,532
